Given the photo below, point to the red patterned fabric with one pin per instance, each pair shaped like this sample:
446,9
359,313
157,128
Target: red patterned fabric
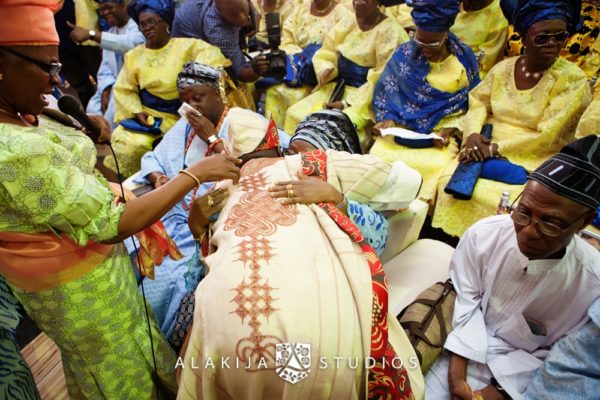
385,381
271,140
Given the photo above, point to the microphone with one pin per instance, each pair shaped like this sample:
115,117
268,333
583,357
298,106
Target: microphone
71,106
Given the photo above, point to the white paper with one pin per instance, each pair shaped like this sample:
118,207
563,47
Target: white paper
408,134
185,107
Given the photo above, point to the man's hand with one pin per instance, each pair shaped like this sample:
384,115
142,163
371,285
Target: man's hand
260,64
157,179
488,393
105,98
202,125
460,390
203,208
457,378
336,105
78,34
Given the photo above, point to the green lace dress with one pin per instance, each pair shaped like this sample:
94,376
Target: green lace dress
47,183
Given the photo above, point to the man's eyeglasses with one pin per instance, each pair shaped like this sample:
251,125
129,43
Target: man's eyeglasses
543,38
432,45
50,69
545,228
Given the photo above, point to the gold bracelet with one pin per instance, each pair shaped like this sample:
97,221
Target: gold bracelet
198,183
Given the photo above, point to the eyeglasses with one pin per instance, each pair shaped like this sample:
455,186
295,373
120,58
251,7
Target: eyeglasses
50,69
430,45
544,38
149,23
545,228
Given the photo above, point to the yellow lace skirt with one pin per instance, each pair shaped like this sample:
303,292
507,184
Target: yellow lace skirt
315,102
430,162
456,216
280,98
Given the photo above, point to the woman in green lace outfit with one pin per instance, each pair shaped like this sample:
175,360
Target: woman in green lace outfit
61,230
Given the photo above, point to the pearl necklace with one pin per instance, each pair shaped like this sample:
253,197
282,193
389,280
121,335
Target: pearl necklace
535,75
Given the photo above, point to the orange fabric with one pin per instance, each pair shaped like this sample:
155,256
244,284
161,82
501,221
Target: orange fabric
28,22
41,261
155,244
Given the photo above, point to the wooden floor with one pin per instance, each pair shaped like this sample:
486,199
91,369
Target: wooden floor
43,358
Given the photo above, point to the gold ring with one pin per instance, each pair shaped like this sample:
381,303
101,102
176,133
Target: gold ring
475,148
289,186
290,193
210,201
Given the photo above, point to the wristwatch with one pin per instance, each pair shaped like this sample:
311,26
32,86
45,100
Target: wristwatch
92,34
211,139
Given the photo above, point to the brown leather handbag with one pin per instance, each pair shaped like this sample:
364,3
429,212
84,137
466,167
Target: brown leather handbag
428,320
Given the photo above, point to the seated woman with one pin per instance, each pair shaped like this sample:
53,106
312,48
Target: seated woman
590,120
291,276
582,47
533,103
424,88
483,27
145,93
263,7
402,14
302,35
185,143
341,58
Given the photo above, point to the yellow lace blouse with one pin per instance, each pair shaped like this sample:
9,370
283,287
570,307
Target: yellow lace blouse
529,125
302,28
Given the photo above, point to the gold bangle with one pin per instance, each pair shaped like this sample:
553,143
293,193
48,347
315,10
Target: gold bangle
198,183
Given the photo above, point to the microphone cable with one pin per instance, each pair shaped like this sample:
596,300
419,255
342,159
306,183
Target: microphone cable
137,255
